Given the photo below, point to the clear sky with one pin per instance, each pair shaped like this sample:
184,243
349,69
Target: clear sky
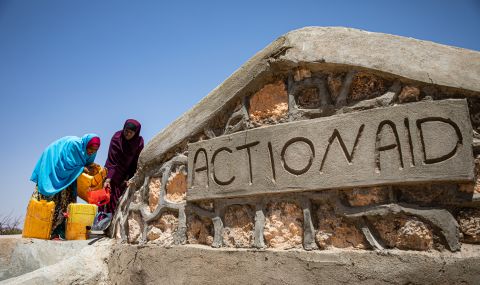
73,67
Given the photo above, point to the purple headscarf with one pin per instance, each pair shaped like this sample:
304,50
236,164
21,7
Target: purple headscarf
123,154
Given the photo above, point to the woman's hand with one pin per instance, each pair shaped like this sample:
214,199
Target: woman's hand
88,168
106,184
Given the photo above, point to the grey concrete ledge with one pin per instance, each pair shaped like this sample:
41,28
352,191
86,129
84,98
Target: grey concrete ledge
417,60
180,265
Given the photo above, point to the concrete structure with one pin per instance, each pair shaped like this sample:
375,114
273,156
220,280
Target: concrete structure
317,144
328,139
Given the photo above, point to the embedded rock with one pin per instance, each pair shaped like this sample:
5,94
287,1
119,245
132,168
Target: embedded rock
469,222
135,227
474,187
409,94
427,194
137,198
176,186
154,188
283,225
367,196
335,83
336,231
404,233
271,102
163,229
366,86
199,231
238,231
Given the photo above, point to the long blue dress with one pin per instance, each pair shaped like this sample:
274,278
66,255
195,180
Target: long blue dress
55,173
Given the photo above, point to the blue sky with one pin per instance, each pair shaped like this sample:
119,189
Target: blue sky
73,67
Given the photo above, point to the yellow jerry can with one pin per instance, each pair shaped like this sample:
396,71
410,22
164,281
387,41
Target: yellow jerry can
39,219
80,216
91,181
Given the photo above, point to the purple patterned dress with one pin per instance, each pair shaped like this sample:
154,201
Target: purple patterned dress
122,162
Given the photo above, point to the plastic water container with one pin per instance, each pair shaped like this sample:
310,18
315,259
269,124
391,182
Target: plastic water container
39,219
99,197
91,181
80,216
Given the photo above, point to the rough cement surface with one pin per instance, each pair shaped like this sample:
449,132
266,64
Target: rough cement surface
55,262
19,256
7,246
110,262
195,264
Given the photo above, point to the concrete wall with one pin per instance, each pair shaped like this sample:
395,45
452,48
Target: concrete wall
318,77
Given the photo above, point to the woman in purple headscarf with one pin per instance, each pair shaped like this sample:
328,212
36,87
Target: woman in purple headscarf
123,153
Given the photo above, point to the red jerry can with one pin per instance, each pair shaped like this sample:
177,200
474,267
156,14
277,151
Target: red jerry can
99,197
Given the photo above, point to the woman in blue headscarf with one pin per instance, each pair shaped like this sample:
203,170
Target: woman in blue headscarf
59,166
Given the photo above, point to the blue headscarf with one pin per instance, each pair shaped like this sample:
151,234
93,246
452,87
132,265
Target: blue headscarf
61,163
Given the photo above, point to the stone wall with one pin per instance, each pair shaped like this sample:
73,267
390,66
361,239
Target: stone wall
440,214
